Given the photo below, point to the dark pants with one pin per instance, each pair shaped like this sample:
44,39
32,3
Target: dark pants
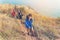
33,33
30,32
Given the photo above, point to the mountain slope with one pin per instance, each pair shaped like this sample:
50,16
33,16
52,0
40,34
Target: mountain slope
46,27
12,29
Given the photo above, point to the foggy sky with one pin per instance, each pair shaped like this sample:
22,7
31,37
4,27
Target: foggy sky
45,7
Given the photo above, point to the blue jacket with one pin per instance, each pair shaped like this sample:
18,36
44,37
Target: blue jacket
28,23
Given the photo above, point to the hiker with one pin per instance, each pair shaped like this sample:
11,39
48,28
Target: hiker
13,13
19,15
28,24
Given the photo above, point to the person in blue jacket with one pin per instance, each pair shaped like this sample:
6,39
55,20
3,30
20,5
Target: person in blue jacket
28,23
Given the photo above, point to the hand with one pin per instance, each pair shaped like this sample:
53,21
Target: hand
32,29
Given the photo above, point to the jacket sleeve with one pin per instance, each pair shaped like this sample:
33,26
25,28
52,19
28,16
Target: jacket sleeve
31,21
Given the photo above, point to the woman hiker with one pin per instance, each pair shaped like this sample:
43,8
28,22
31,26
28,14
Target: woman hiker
28,24
13,13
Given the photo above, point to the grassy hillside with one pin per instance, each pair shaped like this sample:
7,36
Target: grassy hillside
11,28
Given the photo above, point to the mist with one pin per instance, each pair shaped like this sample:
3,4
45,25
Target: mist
49,8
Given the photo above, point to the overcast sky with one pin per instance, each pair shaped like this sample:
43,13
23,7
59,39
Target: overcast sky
45,7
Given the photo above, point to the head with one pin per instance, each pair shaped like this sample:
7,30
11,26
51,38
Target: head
19,10
13,10
29,16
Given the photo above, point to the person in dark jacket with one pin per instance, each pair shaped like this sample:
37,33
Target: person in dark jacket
28,23
20,14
